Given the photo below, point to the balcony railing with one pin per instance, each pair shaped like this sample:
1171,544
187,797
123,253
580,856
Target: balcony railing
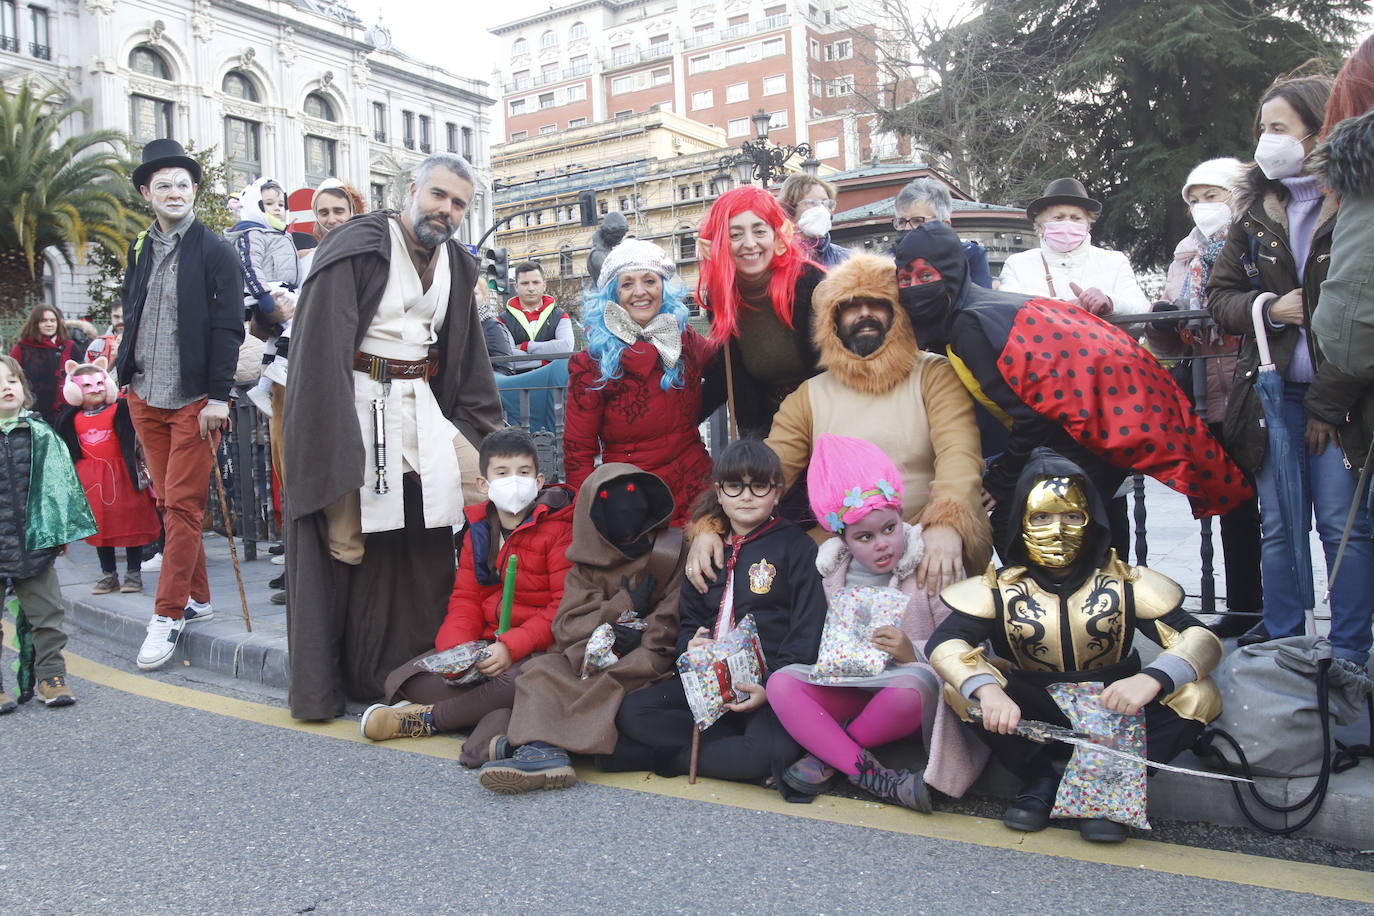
737,31
525,83
42,52
379,136
9,44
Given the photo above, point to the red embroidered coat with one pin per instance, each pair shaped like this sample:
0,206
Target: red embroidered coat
632,419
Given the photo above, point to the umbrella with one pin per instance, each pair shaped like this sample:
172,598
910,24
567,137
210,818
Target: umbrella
1283,457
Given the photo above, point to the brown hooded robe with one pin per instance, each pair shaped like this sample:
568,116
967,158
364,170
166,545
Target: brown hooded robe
349,625
552,702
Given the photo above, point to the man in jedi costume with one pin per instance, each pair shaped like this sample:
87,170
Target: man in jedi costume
390,385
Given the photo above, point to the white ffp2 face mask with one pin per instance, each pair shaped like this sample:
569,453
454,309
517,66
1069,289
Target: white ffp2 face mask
1211,216
815,222
1279,155
512,494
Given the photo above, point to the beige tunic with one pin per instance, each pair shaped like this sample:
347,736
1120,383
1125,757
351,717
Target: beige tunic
419,437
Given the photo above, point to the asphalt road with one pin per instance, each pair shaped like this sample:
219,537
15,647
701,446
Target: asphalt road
127,803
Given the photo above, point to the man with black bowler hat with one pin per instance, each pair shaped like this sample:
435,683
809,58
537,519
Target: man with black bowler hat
183,324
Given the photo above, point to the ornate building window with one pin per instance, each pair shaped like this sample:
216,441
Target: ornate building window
317,106
577,30
549,39
321,159
242,152
149,119
148,62
238,85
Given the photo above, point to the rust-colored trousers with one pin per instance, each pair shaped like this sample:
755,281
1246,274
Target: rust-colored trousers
179,461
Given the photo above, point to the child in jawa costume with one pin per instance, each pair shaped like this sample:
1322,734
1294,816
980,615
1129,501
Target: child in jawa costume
99,434
772,565
1060,377
626,573
1065,611
42,509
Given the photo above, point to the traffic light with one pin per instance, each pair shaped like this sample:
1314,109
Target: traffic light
586,207
496,266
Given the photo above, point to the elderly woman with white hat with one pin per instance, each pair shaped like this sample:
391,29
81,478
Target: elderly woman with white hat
1067,265
634,394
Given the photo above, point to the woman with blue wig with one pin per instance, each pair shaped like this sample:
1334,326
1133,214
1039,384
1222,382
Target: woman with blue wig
634,394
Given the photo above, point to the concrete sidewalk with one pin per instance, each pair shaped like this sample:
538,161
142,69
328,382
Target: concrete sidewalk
224,646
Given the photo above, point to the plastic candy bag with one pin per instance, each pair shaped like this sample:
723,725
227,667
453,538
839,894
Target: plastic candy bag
459,664
846,647
600,653
1098,785
709,673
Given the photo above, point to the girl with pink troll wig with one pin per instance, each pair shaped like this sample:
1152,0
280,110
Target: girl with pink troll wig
756,283
856,493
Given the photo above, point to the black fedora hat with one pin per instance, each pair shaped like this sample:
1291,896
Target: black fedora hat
1064,191
164,154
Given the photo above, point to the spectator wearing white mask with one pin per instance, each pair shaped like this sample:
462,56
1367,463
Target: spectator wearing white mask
809,203
1067,265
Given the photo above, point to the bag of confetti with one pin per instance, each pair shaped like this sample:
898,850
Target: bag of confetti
846,647
709,673
628,618
600,653
1098,785
459,664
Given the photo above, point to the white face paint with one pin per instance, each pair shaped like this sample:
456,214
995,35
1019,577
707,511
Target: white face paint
171,192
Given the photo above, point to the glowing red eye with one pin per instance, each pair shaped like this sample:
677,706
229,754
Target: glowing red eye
629,488
604,495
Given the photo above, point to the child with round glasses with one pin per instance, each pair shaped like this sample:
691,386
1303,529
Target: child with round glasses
770,574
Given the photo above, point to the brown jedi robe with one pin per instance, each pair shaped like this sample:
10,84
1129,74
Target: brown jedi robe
350,625
552,702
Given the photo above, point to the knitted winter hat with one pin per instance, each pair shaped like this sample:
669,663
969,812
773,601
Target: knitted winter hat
635,254
849,478
1225,172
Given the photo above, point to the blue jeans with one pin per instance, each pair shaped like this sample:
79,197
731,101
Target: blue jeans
1328,487
547,385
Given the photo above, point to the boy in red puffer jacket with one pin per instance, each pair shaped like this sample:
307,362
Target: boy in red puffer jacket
522,518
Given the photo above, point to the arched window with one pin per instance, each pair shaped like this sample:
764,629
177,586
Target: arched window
237,84
317,106
578,30
150,63
521,46
548,39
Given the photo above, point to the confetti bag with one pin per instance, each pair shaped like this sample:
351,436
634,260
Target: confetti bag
459,664
1097,784
628,618
846,648
709,673
599,654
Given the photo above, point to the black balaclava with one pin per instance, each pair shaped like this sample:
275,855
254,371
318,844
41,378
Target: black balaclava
621,512
928,305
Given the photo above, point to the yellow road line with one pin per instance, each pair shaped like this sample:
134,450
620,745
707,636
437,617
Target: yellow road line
1168,858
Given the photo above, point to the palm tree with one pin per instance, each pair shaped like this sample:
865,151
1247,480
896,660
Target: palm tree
67,194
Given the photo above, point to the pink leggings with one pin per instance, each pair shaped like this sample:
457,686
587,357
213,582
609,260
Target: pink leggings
812,715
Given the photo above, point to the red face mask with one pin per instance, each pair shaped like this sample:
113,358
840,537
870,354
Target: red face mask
919,272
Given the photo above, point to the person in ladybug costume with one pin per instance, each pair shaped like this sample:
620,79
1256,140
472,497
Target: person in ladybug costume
1059,377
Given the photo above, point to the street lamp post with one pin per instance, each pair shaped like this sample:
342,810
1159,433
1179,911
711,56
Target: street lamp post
757,158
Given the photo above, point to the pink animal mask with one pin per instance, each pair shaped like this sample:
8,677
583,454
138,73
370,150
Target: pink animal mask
75,389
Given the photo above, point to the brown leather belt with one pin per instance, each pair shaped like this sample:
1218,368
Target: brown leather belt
382,370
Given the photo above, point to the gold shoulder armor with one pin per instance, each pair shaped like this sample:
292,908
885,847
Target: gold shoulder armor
1155,594
973,596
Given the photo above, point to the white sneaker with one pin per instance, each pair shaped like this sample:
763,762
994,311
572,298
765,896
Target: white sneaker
160,643
279,560
197,611
153,563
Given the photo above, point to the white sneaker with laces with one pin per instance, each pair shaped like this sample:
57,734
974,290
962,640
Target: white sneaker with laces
279,560
197,611
153,563
160,643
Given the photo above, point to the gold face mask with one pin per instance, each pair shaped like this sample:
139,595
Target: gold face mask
1055,543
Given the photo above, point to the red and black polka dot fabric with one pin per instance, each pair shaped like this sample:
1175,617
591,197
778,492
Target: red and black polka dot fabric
1112,396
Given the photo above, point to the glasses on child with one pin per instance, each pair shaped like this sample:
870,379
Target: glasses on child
759,488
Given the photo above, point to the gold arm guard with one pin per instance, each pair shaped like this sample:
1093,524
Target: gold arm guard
973,596
956,661
1199,647
1155,595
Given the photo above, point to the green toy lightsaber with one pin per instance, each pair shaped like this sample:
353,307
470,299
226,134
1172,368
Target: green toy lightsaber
507,598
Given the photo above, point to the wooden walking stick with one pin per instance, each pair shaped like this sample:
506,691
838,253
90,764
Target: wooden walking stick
229,534
696,751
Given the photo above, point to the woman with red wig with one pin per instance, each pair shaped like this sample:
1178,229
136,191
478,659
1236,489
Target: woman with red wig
756,282
1344,321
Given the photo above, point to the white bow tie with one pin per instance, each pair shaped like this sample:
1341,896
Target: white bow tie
663,332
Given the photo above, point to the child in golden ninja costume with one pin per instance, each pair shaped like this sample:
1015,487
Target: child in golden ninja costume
1066,609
